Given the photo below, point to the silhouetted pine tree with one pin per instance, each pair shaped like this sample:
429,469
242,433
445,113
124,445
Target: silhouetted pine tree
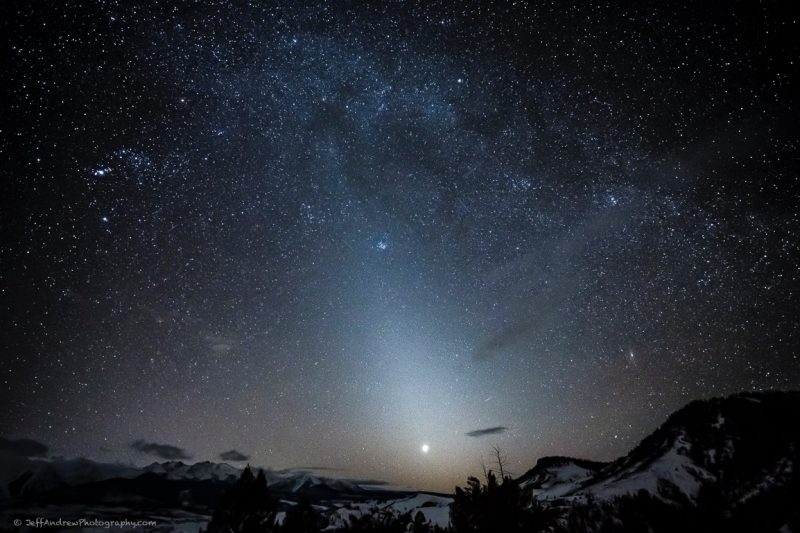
496,507
246,508
303,518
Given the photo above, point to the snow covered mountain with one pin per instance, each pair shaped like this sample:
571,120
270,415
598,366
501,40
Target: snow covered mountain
48,479
733,456
554,477
37,477
287,481
197,471
309,484
741,443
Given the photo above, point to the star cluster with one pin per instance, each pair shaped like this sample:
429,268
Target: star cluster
327,233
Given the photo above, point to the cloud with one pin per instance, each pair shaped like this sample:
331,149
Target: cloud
505,339
307,470
219,345
163,451
322,468
374,482
538,275
221,348
24,447
233,455
486,431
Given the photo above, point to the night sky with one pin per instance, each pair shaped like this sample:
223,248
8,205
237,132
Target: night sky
325,234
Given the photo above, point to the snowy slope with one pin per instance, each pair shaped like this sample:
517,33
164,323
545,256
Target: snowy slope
673,474
737,447
435,509
553,477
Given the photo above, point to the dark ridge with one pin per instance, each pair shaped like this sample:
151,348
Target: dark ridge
761,424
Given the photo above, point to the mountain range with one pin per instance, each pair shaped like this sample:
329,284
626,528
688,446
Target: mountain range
728,460
725,464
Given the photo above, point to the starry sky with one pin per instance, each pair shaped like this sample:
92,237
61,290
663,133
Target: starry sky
323,234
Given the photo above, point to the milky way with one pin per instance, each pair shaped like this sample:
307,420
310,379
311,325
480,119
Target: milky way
329,233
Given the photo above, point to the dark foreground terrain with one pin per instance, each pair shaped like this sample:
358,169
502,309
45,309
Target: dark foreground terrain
716,465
